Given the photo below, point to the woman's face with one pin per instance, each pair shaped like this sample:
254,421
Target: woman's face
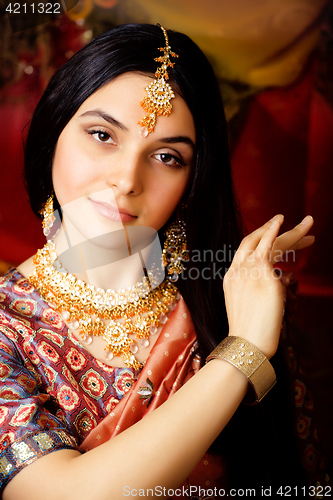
113,175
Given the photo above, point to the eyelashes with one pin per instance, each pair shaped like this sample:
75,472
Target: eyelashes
171,160
101,136
166,158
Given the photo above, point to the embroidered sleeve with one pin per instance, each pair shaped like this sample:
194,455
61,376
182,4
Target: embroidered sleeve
29,430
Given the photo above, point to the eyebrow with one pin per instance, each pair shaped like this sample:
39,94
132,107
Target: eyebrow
104,116
113,121
177,139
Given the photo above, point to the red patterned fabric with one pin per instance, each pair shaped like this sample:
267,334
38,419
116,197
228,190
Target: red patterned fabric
51,388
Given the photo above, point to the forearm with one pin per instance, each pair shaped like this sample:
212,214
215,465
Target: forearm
159,450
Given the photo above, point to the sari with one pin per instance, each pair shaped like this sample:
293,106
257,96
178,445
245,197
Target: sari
55,395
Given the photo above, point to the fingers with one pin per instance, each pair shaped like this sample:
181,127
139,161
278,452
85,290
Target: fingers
294,239
266,233
305,242
266,242
250,242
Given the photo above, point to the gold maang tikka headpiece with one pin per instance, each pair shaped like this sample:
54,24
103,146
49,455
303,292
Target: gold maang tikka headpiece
159,92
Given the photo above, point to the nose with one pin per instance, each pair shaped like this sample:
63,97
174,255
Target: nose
126,173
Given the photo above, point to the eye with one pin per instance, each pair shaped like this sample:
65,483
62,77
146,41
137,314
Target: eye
170,159
101,136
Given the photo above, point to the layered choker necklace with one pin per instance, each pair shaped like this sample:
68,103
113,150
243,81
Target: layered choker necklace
142,308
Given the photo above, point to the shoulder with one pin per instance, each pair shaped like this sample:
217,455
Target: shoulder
14,287
19,305
26,268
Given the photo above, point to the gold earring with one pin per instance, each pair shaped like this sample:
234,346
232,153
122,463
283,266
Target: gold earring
175,249
48,217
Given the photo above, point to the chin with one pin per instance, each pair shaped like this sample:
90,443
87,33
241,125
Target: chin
135,237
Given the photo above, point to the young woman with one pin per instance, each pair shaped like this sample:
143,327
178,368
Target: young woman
93,336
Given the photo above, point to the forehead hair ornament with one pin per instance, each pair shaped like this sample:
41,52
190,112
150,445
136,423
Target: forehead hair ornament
159,92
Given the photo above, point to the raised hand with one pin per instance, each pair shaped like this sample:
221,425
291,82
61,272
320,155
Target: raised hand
253,292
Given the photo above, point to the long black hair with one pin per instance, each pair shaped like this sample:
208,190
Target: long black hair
213,226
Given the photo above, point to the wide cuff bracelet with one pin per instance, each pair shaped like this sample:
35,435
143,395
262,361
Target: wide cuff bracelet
249,360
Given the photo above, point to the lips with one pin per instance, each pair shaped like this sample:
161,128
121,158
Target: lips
112,212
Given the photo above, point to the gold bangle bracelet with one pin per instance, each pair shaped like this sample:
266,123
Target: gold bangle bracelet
249,360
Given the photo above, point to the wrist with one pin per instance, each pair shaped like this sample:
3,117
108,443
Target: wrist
267,348
250,361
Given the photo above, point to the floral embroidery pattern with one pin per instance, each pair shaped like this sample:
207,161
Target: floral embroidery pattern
68,399
11,334
147,392
91,405
46,422
300,390
32,371
5,371
9,393
75,359
23,286
6,439
28,383
310,457
29,351
53,336
4,280
123,381
50,374
111,404
84,422
23,329
48,351
303,426
70,377
4,347
93,384
3,318
23,415
4,411
308,403
26,307
51,317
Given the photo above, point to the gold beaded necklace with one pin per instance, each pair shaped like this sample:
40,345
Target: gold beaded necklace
84,307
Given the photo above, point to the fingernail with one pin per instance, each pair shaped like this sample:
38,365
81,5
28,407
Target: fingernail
307,219
276,219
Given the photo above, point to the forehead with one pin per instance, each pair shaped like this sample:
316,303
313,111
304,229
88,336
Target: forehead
122,99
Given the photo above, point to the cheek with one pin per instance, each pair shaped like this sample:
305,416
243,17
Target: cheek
165,198
70,172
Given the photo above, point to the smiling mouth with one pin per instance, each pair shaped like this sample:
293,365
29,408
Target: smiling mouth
112,212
